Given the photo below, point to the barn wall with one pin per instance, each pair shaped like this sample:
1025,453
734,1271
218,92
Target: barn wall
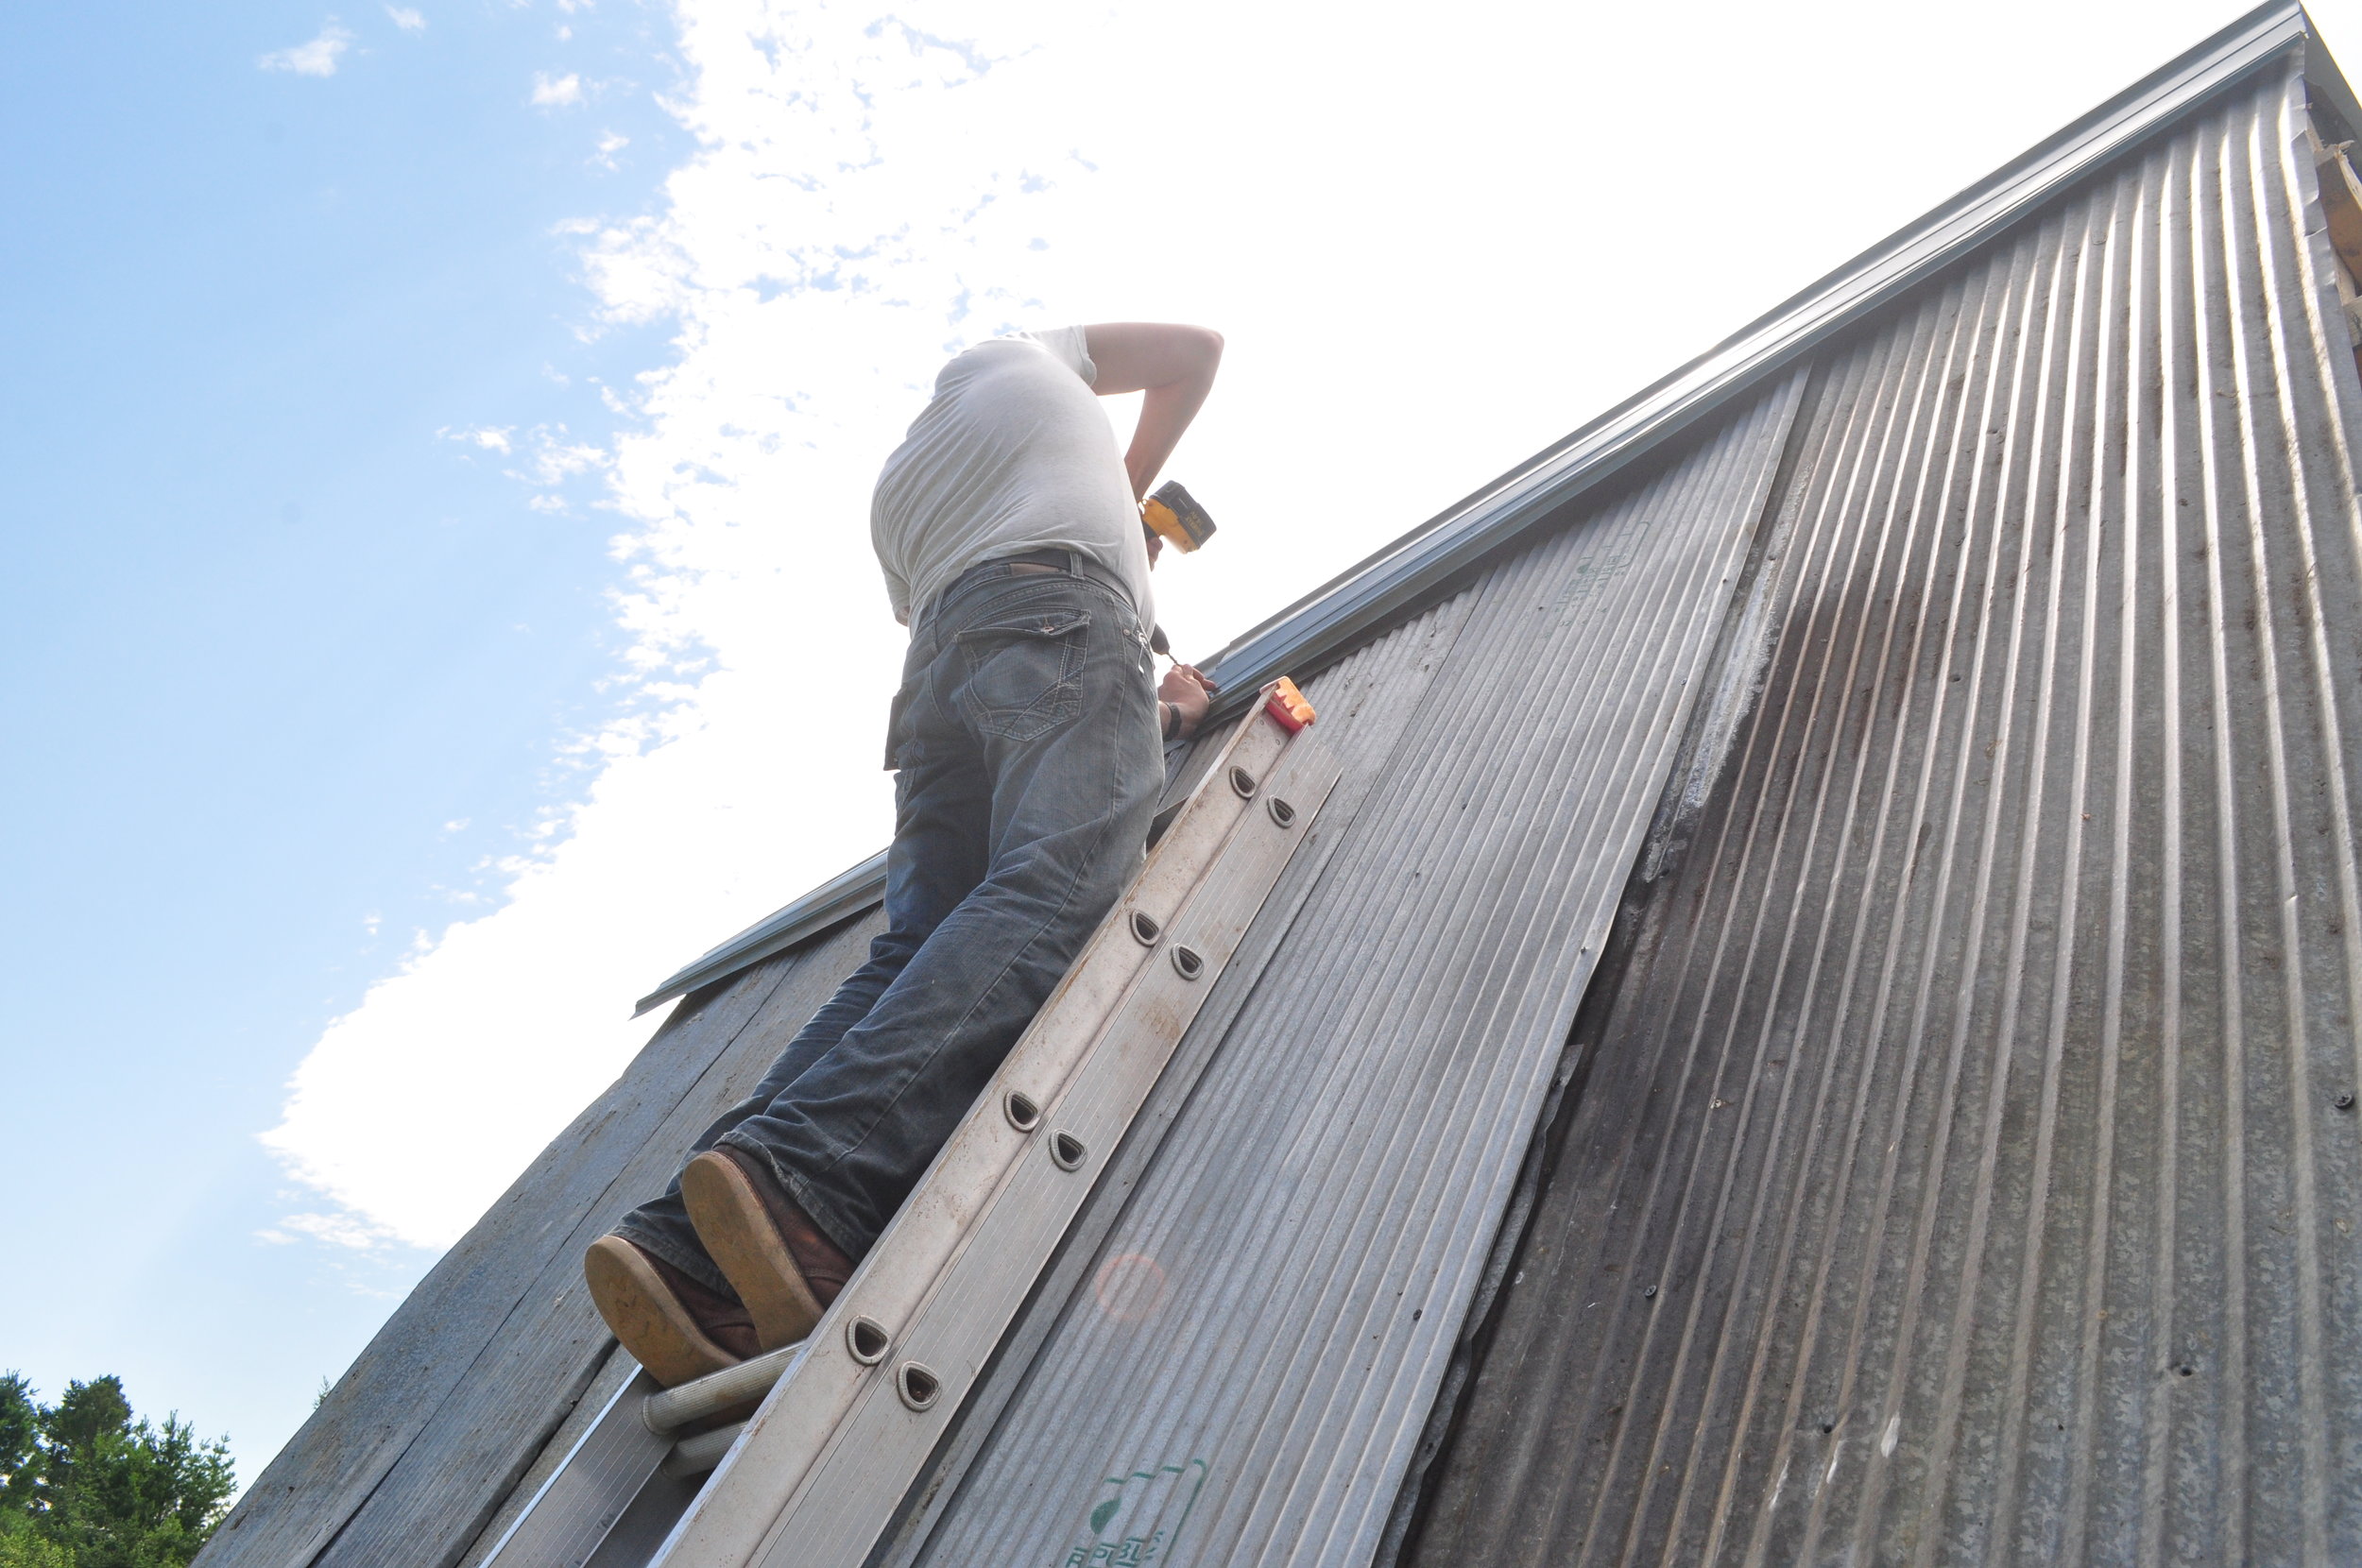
1966,1169
1952,1164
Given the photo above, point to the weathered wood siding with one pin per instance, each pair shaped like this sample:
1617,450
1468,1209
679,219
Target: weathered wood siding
422,1438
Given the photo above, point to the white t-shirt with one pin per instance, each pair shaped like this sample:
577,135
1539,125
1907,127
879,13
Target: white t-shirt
1013,456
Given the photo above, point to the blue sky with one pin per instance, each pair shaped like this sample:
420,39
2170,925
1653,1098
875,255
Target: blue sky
436,458
270,636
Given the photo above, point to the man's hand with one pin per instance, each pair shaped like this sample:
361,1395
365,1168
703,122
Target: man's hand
1174,365
1186,688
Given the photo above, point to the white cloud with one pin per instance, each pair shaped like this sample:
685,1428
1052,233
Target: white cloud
556,92
316,58
611,143
1433,250
407,18
338,1229
490,438
557,457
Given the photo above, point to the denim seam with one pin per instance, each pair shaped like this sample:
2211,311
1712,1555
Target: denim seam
1066,901
821,1210
1058,705
1107,820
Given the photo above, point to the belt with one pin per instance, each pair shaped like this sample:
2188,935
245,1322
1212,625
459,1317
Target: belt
1072,562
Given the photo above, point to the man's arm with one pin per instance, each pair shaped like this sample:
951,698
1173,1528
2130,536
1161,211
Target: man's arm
1174,366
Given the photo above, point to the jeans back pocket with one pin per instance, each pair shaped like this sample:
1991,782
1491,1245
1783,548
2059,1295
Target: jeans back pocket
1022,670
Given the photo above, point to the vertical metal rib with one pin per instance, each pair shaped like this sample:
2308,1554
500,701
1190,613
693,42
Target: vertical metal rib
1959,1175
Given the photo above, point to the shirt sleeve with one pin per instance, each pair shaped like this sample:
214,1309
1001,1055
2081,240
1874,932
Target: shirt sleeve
1067,346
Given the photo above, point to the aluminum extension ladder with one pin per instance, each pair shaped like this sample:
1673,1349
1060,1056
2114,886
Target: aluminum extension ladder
800,1458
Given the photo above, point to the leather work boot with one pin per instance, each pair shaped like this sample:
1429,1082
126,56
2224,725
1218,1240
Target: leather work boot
780,1264
671,1325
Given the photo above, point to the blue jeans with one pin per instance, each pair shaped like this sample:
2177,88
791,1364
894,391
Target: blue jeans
1026,741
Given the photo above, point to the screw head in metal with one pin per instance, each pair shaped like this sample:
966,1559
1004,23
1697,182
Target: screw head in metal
1647,1292
2345,1101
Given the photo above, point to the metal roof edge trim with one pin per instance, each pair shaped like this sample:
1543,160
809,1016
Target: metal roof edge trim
842,896
1324,621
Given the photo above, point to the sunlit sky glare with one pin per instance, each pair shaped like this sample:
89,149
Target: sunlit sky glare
438,447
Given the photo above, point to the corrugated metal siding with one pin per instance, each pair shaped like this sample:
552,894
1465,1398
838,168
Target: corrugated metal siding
1314,1224
1965,1170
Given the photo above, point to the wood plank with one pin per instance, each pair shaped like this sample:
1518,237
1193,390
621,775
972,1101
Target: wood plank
418,1396
312,1486
615,1370
496,1420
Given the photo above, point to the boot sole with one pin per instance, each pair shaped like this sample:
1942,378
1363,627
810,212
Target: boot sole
646,1317
746,1246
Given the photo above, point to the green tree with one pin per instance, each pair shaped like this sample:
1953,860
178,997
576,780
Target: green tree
84,1484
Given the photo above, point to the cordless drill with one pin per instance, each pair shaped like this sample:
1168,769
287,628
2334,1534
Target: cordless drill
1173,515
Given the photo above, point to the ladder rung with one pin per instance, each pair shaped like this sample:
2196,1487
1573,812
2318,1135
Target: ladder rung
693,1457
670,1409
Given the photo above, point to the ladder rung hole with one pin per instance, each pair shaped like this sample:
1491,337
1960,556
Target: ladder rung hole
1144,927
1067,1151
1244,782
867,1339
1188,961
1023,1114
918,1386
1281,813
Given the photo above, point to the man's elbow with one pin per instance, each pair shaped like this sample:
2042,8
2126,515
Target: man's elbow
1189,353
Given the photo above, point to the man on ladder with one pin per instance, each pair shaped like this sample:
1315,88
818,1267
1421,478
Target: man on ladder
1025,738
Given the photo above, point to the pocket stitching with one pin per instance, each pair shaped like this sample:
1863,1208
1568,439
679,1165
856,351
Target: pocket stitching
1057,701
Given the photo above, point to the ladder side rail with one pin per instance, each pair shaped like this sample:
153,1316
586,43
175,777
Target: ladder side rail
811,1398
922,1236
583,1498
834,1517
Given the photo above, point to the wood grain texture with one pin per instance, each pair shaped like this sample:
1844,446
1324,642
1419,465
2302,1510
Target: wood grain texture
615,1370
425,1435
